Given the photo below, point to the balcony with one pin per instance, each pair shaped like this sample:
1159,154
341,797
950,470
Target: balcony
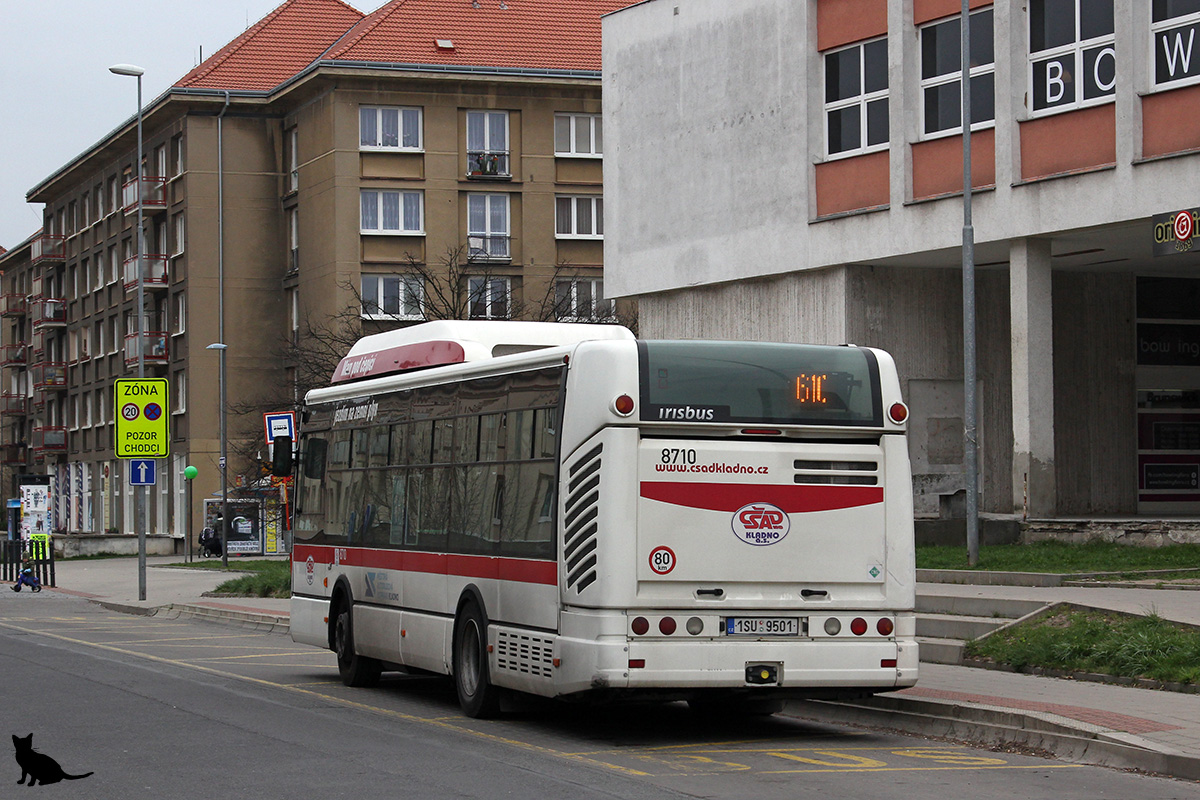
154,195
154,273
49,312
488,248
14,355
13,305
13,405
154,345
488,165
48,248
49,439
50,376
13,453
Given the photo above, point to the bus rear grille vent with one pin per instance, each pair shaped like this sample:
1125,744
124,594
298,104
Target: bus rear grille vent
852,473
582,508
524,654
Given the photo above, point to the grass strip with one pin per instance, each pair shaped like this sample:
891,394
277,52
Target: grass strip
269,578
1062,557
1098,642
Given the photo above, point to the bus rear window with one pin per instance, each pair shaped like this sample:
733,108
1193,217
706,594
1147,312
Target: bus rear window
783,384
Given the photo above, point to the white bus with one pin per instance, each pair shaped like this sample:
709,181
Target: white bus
566,511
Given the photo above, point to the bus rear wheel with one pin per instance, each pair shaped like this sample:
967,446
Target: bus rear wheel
355,670
476,694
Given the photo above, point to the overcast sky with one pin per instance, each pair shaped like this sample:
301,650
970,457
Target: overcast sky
59,98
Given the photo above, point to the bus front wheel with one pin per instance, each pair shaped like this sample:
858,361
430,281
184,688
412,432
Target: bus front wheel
476,695
355,670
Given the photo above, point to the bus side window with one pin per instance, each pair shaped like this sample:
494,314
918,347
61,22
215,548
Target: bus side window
360,444
545,434
314,458
397,455
378,454
490,426
398,525
420,441
520,435
339,456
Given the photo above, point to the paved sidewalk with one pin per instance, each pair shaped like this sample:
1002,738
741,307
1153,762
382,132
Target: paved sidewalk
1155,731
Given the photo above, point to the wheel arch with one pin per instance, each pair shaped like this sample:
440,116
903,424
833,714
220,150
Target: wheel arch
469,594
342,594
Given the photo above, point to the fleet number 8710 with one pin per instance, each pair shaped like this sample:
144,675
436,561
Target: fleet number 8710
675,455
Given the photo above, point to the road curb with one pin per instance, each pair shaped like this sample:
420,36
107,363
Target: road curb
269,623
994,727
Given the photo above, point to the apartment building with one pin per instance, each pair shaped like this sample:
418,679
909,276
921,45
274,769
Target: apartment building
794,171
324,165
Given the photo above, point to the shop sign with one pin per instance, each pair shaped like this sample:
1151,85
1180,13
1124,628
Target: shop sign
1176,232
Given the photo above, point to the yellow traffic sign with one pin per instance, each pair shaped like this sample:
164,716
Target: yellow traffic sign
142,416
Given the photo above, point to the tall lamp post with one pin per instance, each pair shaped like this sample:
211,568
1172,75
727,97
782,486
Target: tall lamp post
221,348
129,70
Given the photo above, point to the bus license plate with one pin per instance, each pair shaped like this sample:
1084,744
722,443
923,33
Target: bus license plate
762,626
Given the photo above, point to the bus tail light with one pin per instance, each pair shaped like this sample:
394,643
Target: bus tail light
898,412
887,663
666,626
885,627
640,625
623,405
637,663
859,626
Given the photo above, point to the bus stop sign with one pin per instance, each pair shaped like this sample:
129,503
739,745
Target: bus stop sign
142,418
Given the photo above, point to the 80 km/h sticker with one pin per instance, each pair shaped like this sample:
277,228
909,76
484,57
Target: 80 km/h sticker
662,560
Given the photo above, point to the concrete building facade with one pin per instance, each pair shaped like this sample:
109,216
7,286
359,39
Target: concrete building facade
793,170
325,165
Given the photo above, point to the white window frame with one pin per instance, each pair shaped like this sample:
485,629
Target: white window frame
179,319
1172,48
114,265
99,339
503,166
179,393
410,123
598,313
178,155
293,135
180,235
954,77
160,161
407,286
573,123
484,288
293,255
594,205
1075,49
863,99
493,240
403,196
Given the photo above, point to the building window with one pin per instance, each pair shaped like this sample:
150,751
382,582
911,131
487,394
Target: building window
389,128
1173,27
114,199
578,135
1072,61
160,161
488,297
179,389
177,150
294,240
113,265
293,159
941,75
581,300
180,234
579,217
85,207
392,297
487,144
856,98
99,326
391,211
179,322
487,226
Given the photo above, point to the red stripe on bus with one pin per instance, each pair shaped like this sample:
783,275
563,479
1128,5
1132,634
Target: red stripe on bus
504,569
732,496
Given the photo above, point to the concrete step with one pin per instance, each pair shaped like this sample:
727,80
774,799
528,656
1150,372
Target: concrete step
997,607
956,626
940,651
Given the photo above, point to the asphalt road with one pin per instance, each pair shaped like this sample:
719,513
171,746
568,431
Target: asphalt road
186,709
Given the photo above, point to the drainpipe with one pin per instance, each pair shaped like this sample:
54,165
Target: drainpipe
221,330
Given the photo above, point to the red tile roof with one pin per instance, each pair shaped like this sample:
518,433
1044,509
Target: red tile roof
277,47
523,34
503,34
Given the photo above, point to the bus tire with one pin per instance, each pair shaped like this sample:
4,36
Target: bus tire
476,694
355,669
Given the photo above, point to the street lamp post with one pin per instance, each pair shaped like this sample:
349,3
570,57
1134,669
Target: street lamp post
132,71
221,348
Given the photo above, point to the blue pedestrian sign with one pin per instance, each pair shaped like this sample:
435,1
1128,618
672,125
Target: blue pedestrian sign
142,472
